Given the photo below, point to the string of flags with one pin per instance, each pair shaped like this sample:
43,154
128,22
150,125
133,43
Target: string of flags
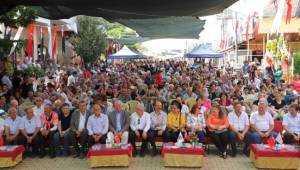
38,30
243,30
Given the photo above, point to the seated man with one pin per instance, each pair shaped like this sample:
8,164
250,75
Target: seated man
97,126
139,126
158,125
12,128
64,119
262,123
78,129
49,121
119,122
30,129
239,126
291,125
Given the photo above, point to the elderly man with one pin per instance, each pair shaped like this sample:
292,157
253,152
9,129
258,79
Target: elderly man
239,126
97,126
30,129
262,123
139,126
106,107
291,125
158,125
49,121
78,129
38,109
14,103
124,96
119,122
12,128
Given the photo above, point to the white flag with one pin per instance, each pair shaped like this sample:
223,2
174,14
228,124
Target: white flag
279,139
278,17
180,138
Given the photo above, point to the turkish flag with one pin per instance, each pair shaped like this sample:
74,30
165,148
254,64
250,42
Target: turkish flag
271,142
54,41
30,41
1,141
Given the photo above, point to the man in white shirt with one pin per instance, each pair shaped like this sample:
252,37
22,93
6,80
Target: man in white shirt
38,109
184,108
239,126
78,129
97,126
30,129
262,123
12,128
139,125
291,125
71,79
158,125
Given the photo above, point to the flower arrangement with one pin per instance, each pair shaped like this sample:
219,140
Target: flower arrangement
191,137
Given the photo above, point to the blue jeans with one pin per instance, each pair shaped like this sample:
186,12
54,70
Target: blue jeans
66,139
256,139
201,136
234,138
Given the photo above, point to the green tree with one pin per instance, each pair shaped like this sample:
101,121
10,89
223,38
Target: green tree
297,63
17,17
90,42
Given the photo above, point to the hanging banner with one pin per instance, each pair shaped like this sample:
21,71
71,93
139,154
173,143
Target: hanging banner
35,45
41,44
54,42
30,42
247,30
278,17
63,41
49,40
288,12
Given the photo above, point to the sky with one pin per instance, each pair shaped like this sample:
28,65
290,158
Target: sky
212,28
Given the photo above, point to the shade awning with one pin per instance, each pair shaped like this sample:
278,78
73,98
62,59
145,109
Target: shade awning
203,51
116,9
126,53
168,27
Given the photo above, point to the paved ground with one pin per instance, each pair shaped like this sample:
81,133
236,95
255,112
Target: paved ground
211,162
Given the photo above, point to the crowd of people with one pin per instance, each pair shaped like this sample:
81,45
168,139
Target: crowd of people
143,100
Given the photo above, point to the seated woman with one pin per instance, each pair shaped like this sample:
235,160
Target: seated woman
196,123
278,104
175,123
218,125
224,101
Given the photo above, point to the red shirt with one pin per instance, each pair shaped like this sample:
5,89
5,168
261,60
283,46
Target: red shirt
87,74
296,85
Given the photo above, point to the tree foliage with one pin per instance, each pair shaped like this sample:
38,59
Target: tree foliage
297,63
17,17
89,43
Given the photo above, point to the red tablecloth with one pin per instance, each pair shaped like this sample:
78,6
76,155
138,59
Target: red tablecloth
12,153
268,152
188,151
110,151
